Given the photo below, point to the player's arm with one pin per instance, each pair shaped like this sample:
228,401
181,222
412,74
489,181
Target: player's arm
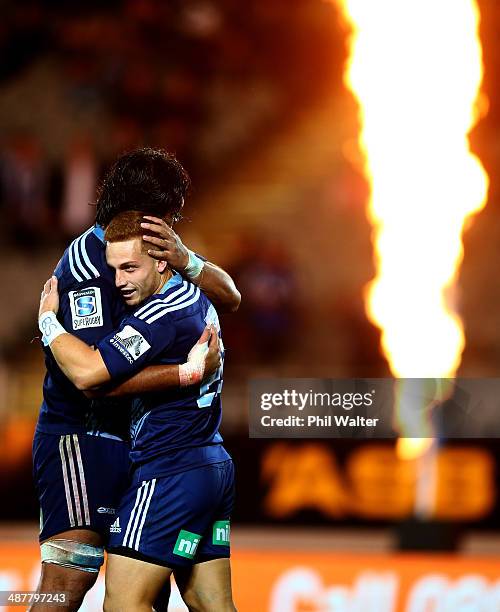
84,366
151,379
160,377
79,362
217,285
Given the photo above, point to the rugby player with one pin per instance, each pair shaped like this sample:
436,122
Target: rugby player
175,514
81,459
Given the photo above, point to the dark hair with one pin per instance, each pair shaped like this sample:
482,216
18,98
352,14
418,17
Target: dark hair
148,180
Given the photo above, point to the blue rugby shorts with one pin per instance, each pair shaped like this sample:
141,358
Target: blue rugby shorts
79,479
177,520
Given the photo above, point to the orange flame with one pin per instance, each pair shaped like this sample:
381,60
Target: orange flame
415,68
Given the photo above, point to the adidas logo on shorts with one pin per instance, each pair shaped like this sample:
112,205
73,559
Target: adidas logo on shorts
115,527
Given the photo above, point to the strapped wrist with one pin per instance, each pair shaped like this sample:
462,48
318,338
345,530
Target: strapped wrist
191,373
194,266
50,327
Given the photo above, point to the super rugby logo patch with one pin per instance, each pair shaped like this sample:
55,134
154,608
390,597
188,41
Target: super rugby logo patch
134,342
86,308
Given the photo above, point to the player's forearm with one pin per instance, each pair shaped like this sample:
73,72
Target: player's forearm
219,287
151,379
80,363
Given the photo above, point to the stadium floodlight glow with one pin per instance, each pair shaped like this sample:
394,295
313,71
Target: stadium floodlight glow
415,69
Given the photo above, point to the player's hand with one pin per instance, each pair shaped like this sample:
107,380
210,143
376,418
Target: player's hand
203,359
213,357
168,245
208,349
49,300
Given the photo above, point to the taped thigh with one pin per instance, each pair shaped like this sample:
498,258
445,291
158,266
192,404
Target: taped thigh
76,555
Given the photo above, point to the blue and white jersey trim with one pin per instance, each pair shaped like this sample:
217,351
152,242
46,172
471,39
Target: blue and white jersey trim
177,306
159,301
104,434
136,426
186,295
79,261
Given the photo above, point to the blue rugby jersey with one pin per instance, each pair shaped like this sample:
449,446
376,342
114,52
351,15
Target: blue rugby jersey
174,430
90,308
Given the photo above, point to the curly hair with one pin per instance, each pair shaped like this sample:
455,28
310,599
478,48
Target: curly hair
151,181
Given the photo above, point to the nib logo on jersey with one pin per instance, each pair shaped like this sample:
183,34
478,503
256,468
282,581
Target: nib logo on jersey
86,307
130,343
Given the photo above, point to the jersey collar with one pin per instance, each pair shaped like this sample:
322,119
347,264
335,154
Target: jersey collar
175,279
99,232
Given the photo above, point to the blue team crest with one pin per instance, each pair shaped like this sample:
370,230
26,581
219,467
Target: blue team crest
86,308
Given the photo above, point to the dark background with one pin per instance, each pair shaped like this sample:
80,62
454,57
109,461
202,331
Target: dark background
251,99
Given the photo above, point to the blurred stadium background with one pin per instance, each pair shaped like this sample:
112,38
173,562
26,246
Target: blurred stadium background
251,98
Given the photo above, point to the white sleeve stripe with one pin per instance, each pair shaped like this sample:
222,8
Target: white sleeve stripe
78,261
72,264
169,298
162,300
163,303
83,248
161,313
76,251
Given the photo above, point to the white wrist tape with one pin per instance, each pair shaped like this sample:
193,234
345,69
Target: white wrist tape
191,372
194,266
50,327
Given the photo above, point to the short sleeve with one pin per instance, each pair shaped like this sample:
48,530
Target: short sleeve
135,345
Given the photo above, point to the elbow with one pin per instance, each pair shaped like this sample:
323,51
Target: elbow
235,301
231,301
85,382
81,384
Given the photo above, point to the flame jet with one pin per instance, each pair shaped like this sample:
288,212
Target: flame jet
415,68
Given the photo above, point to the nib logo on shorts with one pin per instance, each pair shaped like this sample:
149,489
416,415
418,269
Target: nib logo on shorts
187,543
115,527
220,533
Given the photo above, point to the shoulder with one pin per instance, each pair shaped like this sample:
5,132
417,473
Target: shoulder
83,260
178,301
